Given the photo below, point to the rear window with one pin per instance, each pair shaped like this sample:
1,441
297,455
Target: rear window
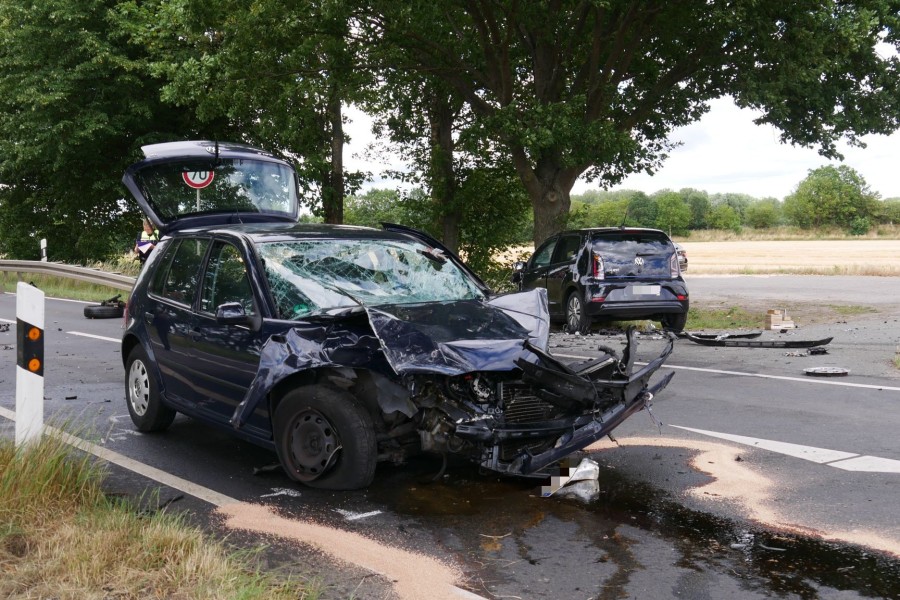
634,254
193,186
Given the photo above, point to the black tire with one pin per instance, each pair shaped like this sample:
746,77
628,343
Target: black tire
142,395
325,439
103,312
674,322
577,319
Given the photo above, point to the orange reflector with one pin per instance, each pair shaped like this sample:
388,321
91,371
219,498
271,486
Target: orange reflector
34,365
34,334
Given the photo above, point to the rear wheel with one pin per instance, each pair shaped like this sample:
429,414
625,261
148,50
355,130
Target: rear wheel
142,394
325,439
577,319
674,322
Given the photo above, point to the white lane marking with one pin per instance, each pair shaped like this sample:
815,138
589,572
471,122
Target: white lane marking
96,337
7,321
355,516
868,464
761,376
173,481
848,461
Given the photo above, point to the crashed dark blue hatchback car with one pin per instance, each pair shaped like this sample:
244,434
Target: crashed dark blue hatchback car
339,347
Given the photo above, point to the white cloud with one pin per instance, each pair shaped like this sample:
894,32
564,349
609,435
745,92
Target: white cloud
726,152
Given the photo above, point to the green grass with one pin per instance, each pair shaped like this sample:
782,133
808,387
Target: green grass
851,310
62,537
733,317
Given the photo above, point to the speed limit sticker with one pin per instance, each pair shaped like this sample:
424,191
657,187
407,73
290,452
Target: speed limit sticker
198,179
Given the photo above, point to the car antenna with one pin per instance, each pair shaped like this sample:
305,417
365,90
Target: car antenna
624,218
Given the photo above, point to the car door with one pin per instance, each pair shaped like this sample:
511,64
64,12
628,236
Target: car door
226,355
560,271
168,316
534,275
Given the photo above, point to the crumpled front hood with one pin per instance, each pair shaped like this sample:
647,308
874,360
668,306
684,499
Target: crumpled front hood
453,338
447,338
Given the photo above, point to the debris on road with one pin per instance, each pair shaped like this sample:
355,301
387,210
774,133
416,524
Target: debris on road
752,343
826,372
580,482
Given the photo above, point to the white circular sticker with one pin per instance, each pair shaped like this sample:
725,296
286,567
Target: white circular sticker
198,179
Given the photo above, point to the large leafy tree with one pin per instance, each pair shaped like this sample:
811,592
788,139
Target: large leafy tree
75,106
831,196
582,87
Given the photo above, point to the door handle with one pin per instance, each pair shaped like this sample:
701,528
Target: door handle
148,317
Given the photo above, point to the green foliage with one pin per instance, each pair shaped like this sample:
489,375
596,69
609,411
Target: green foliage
75,105
763,214
673,215
859,226
830,196
642,210
724,216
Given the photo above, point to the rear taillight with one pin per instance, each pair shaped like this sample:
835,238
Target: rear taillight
674,269
598,268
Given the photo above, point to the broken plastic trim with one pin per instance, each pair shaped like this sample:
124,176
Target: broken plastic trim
746,343
630,395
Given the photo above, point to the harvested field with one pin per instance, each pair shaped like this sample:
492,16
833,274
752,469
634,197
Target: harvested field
826,257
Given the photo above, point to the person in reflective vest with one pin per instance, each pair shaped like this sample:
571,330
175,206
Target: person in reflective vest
146,242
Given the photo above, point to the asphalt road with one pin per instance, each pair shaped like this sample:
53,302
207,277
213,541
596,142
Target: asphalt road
805,505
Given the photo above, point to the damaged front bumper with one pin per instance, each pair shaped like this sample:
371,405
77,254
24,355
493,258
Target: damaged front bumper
595,398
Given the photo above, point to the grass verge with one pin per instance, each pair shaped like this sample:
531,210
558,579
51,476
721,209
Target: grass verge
733,317
62,537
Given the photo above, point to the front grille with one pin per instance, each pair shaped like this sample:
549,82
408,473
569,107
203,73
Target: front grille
510,449
521,405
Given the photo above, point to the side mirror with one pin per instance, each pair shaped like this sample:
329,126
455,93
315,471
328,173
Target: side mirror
518,267
233,313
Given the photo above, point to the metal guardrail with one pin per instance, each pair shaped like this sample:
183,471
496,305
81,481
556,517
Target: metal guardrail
96,276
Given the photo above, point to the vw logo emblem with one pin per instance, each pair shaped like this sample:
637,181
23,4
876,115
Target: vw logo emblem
639,261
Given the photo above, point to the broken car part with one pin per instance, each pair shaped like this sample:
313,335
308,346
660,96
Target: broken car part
744,343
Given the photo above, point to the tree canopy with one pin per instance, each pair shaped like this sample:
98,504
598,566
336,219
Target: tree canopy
500,101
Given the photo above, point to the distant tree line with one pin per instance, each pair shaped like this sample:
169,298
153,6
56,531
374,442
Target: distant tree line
828,197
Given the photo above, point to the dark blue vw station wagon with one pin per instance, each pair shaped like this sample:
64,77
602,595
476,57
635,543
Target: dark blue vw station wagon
338,347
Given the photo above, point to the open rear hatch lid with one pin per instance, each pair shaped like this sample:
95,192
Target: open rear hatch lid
199,183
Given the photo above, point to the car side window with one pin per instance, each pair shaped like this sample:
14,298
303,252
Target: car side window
226,280
542,257
567,248
179,279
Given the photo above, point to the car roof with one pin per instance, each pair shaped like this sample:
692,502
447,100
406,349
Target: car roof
594,230
271,232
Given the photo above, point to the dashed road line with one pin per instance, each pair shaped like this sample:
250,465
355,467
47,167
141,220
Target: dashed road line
96,337
848,461
760,375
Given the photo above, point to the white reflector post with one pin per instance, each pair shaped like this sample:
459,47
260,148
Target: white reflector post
29,363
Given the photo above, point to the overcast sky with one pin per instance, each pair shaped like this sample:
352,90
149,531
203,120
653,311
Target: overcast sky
722,152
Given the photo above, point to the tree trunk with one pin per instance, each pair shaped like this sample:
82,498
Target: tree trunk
549,187
442,177
333,194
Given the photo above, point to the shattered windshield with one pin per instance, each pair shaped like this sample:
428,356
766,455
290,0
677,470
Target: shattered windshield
308,276
195,186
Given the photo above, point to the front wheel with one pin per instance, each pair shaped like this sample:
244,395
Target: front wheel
325,439
142,394
577,319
